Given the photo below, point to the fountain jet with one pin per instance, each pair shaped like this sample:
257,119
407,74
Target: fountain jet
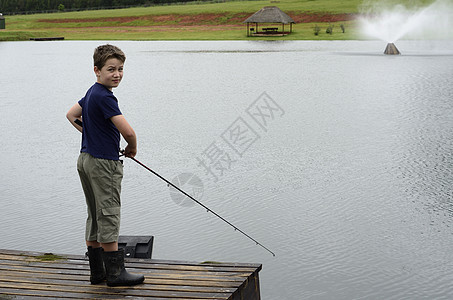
391,49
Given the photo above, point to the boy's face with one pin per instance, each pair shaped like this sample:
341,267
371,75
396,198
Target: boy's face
111,73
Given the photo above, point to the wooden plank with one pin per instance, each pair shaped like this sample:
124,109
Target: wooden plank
4,259
249,290
9,293
150,275
129,291
153,261
24,275
230,281
25,278
182,282
227,276
62,267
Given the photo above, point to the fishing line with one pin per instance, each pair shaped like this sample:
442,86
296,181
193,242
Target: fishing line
199,203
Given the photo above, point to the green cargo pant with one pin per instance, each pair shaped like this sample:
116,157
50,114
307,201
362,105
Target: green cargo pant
101,183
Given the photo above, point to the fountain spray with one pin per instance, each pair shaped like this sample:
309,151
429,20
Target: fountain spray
391,23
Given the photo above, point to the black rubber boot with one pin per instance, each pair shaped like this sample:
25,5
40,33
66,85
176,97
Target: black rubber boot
116,273
97,270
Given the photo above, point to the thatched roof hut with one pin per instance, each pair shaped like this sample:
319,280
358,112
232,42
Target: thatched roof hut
269,15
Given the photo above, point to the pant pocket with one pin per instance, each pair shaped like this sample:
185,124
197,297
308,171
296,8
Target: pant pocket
109,224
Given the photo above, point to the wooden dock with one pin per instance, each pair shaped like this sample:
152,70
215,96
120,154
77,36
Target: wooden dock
57,38
32,275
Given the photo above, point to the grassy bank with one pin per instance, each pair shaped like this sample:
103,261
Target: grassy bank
211,21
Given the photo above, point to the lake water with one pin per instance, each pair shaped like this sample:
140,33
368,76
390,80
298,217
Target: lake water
334,156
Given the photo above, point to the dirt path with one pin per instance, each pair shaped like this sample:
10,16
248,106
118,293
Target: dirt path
179,20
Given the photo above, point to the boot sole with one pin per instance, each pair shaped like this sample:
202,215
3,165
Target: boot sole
112,284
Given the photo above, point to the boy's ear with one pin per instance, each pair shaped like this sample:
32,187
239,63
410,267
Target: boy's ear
97,71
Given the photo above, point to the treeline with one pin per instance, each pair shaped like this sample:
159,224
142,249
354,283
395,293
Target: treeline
36,6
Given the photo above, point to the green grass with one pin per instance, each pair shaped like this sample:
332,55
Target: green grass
349,6
211,262
15,35
48,257
99,25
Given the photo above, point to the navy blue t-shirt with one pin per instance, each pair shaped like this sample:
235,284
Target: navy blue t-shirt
100,136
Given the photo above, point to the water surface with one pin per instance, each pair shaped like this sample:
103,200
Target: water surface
346,175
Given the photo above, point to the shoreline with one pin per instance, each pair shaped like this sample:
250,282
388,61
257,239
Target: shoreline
193,32
219,21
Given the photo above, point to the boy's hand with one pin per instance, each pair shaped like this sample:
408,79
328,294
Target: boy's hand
130,151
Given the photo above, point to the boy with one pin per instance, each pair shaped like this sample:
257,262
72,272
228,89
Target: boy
100,169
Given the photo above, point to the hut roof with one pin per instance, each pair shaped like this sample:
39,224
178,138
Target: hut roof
269,14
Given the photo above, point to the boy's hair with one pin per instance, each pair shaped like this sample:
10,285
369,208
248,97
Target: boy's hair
105,52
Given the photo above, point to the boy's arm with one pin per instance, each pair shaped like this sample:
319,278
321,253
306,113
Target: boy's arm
75,114
128,134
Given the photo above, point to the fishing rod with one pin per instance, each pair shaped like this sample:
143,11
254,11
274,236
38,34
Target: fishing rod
198,202
80,123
